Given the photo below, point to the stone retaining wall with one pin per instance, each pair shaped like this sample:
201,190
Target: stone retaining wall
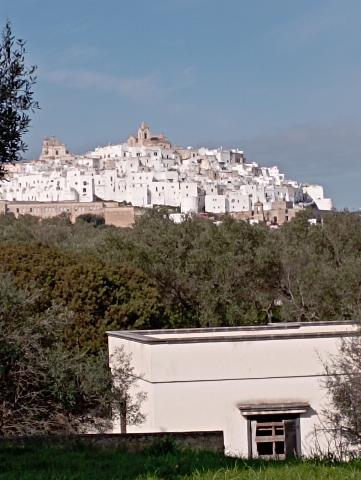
131,442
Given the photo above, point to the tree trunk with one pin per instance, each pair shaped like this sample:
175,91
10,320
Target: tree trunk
123,417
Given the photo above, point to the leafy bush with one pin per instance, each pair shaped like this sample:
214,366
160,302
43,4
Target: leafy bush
101,297
95,220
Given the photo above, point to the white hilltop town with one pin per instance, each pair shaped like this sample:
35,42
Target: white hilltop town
117,180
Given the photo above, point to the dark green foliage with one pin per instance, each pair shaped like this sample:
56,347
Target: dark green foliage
45,387
161,275
209,275
95,220
321,268
162,446
16,98
101,297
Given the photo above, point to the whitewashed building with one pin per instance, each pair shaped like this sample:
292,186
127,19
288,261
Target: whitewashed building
262,386
148,170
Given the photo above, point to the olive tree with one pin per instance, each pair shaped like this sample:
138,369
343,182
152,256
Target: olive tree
16,98
46,387
127,398
342,417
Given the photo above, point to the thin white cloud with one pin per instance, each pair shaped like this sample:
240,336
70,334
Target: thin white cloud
135,88
146,88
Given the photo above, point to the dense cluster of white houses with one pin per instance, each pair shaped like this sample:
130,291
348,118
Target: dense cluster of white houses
147,170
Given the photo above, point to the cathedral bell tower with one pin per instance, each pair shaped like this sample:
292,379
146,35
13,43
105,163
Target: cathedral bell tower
143,133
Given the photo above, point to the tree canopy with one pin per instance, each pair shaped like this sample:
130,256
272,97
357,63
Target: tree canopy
161,275
69,283
100,297
16,98
44,387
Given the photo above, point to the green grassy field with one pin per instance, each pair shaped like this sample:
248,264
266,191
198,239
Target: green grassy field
58,463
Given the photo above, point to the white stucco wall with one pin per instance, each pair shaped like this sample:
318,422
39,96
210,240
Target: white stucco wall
238,202
324,203
198,380
216,203
314,191
189,204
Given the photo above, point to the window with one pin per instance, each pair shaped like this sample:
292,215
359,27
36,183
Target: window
269,439
274,429
274,436
84,190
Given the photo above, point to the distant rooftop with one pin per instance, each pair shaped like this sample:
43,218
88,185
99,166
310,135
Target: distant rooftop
271,331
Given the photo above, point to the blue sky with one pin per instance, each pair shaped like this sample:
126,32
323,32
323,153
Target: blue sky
279,78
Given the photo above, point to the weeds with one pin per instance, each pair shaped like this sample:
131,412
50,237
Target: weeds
161,461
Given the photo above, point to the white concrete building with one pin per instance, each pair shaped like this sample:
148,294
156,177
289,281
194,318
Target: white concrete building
315,193
238,202
216,204
262,386
192,204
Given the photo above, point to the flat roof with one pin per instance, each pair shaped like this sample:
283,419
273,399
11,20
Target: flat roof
271,331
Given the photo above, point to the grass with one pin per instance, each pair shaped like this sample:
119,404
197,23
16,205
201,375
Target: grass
60,463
